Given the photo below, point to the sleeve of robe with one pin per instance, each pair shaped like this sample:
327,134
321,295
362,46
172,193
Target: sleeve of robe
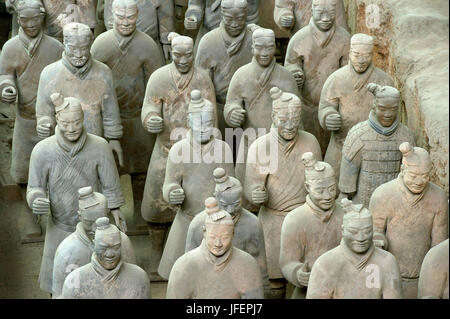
345,53
439,232
250,277
59,269
194,235
87,9
196,8
69,290
283,8
45,110
165,20
255,175
351,162
377,207
432,278
127,249
181,281
203,58
112,125
235,99
294,60
392,281
7,69
37,175
153,60
153,101
174,172
253,11
319,284
329,100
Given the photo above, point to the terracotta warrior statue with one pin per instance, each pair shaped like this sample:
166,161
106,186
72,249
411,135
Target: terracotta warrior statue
108,275
312,55
275,182
22,60
292,15
248,233
156,19
80,76
59,166
190,164
216,269
433,280
356,269
248,103
164,111
132,56
311,229
370,156
76,250
344,100
225,49
410,215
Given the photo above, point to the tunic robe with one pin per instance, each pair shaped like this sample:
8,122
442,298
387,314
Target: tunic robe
76,251
370,159
132,60
200,275
411,224
301,10
21,62
306,234
193,172
316,55
248,236
168,95
92,281
92,85
433,280
342,274
60,170
284,185
345,93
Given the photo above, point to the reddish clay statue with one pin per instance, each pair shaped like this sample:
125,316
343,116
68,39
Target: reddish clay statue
344,100
187,183
108,275
370,156
216,269
311,229
76,250
275,182
410,215
312,56
59,166
356,269
433,280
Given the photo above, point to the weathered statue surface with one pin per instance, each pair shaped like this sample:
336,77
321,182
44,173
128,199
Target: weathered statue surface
433,280
216,269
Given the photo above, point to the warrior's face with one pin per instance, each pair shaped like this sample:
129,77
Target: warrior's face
386,111
77,49
202,125
88,218
230,200
357,234
30,20
324,14
218,238
416,177
264,50
234,20
108,250
322,192
70,123
361,57
183,57
125,18
287,122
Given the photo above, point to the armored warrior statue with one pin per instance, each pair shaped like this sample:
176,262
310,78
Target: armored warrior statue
76,250
356,269
276,183
311,229
433,280
344,100
165,113
216,269
370,156
107,276
59,166
410,215
190,164
313,54
22,60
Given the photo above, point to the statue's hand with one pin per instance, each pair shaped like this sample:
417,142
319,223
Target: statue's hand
176,196
303,275
154,124
299,78
40,206
115,147
190,23
260,196
43,130
379,243
333,122
9,94
287,21
119,219
237,116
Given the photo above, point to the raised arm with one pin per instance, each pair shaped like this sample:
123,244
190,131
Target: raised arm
351,162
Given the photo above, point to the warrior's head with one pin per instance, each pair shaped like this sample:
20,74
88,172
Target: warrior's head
219,228
416,167
125,14
320,181
78,39
200,118
91,206
357,227
286,108
324,14
263,46
361,52
107,244
30,16
234,16
182,52
385,103
228,192
69,116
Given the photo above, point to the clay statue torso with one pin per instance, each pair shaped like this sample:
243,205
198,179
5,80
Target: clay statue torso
433,282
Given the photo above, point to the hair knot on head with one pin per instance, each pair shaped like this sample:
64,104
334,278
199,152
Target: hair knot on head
406,149
102,223
275,93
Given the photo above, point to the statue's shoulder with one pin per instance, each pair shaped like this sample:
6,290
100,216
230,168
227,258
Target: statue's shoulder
244,259
50,70
343,34
438,193
355,139
96,141
331,259
12,45
46,146
405,133
138,273
383,257
297,215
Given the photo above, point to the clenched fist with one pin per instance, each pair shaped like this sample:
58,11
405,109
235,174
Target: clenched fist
237,116
176,197
333,122
9,94
260,196
154,124
40,206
